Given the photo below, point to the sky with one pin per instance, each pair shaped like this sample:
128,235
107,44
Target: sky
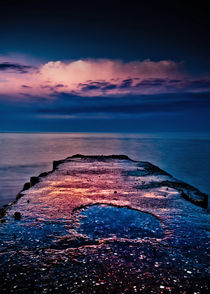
104,67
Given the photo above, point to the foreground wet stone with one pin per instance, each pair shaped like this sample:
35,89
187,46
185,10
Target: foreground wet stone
105,225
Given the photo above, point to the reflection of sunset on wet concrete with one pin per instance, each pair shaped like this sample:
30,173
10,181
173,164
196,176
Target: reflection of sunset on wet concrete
105,225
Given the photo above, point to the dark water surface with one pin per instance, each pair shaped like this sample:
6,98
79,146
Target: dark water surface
22,155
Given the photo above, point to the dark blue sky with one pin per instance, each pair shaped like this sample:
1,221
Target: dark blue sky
167,97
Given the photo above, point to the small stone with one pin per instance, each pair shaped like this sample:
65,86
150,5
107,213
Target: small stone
17,215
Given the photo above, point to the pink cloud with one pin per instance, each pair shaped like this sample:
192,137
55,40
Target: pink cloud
92,77
76,73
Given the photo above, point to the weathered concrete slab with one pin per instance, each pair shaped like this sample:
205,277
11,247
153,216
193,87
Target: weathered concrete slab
105,225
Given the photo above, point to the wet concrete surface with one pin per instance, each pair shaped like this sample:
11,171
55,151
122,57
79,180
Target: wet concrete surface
103,221
105,225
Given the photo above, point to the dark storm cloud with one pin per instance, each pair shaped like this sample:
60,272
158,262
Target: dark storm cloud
110,87
59,86
107,109
126,83
170,85
52,88
97,85
199,84
90,87
7,66
131,113
152,82
126,106
130,84
26,87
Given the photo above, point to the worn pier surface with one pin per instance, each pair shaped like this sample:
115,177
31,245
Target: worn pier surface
105,224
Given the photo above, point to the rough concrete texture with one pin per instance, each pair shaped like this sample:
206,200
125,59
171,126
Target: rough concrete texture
105,224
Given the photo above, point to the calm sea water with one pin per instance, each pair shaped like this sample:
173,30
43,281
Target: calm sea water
22,155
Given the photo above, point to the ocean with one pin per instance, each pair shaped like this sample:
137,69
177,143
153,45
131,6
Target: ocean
22,155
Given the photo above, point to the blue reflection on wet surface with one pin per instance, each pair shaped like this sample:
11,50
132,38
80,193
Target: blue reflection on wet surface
103,221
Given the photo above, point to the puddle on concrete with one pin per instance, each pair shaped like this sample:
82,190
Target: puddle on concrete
105,221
